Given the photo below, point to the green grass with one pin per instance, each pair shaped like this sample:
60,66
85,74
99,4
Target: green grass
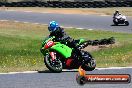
20,47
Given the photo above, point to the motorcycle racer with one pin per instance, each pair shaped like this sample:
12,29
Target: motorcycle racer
61,36
61,51
118,18
116,14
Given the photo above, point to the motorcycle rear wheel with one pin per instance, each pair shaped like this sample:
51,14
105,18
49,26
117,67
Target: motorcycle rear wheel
126,23
115,23
90,66
54,66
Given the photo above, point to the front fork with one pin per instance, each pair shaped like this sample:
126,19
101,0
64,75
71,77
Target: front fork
53,55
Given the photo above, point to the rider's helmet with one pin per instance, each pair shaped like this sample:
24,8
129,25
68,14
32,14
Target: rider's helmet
53,26
117,11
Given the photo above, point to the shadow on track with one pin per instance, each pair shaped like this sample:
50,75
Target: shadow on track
118,25
48,71
45,71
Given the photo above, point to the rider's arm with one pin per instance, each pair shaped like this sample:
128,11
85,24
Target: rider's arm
63,36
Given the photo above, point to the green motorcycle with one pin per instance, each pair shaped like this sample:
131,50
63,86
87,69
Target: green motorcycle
58,56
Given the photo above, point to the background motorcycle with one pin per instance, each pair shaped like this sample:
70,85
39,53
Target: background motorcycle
121,19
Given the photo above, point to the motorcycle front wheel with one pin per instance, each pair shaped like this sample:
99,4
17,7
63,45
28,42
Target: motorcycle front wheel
53,65
115,23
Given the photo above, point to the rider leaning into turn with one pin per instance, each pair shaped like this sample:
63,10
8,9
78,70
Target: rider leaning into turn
60,36
117,13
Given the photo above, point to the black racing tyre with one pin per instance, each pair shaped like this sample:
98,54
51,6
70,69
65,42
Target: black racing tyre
88,63
126,23
115,23
54,66
81,80
90,66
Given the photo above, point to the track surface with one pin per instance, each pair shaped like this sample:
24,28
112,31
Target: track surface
57,80
70,20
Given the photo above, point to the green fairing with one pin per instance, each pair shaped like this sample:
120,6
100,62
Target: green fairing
46,40
63,49
81,41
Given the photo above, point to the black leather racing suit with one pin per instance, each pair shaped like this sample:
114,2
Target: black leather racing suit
60,36
116,14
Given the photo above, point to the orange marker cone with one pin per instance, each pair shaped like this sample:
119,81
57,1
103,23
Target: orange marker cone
81,71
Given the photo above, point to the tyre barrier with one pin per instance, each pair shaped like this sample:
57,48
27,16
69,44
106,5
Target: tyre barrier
68,4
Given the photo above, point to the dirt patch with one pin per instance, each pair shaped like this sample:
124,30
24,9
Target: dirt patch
100,47
96,48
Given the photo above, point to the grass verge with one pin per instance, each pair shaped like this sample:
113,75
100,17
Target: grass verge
20,46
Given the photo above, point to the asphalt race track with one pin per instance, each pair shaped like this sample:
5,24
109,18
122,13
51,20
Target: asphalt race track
68,20
66,79
57,80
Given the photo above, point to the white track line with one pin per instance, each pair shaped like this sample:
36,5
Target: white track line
90,29
43,24
66,27
28,11
68,70
109,68
104,15
19,72
113,68
20,11
65,70
4,20
79,28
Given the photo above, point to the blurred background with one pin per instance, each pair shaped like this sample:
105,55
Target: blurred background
66,3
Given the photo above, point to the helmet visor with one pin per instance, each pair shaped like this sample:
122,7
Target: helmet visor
51,29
